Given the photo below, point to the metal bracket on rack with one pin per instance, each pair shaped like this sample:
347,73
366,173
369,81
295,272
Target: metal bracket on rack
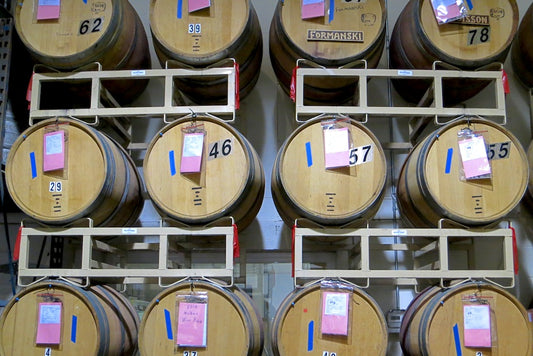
430,247
364,109
531,109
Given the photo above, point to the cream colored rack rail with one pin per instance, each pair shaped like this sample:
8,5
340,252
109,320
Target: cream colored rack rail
97,109
111,253
429,251
364,109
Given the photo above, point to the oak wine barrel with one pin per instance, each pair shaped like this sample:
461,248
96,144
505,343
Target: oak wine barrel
353,32
106,31
234,326
296,327
522,51
431,331
95,321
430,186
226,29
303,188
98,179
417,41
230,183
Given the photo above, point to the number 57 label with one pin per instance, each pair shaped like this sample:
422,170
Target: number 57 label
362,154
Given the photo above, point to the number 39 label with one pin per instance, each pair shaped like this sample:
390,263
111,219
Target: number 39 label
195,28
362,154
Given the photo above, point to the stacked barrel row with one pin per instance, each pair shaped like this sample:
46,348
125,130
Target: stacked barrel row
98,320
98,179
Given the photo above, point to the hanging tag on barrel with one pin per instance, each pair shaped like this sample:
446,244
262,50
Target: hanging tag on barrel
472,149
477,332
54,151
312,9
192,152
48,9
448,10
49,323
195,5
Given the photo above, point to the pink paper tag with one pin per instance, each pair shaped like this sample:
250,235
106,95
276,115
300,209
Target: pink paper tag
446,10
192,324
337,147
48,9
312,8
191,157
335,313
474,157
477,325
49,324
53,151
195,5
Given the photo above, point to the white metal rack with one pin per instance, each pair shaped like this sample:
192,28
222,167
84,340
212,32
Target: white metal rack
437,242
97,109
434,240
365,110
121,242
421,242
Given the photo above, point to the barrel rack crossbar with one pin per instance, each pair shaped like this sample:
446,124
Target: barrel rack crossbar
97,109
365,110
124,242
435,244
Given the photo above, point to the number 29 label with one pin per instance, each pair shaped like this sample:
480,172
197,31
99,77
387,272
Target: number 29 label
55,187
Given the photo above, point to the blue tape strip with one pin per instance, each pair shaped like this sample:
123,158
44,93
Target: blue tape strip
457,340
310,335
309,154
85,1
331,9
33,165
172,163
449,161
74,328
180,6
168,324
469,3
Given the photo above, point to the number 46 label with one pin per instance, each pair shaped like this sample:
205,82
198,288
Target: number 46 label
220,149
362,154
